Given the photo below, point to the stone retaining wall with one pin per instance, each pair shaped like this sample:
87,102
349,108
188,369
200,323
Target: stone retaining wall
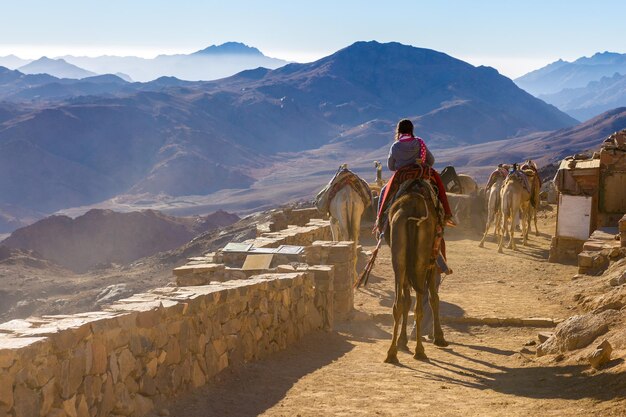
342,257
281,218
152,346
315,236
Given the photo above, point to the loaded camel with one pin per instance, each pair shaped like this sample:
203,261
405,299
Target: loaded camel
414,226
515,199
494,214
492,192
530,169
345,199
468,184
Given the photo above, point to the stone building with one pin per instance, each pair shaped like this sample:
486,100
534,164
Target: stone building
591,200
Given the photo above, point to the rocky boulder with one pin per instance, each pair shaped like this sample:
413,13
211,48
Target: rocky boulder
576,332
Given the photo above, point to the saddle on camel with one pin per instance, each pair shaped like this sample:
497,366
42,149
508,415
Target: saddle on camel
501,172
414,175
343,177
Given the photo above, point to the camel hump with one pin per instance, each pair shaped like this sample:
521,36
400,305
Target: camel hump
343,178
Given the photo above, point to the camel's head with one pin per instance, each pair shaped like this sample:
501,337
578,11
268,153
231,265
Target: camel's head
530,164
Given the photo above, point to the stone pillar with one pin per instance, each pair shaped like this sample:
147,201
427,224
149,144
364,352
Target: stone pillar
324,293
342,255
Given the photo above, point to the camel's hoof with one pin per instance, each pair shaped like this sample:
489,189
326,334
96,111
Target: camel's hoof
536,233
403,347
420,356
481,245
393,359
500,250
440,342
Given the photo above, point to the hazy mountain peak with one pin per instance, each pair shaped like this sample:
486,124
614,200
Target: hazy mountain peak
228,48
602,58
57,67
561,75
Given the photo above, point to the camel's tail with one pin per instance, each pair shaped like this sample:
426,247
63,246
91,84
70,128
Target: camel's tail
413,230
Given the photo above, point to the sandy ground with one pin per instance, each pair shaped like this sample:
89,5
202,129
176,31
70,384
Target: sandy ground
486,371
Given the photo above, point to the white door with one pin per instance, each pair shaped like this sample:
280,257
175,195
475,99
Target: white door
574,216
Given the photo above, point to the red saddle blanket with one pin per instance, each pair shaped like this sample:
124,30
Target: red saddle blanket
392,187
403,174
343,178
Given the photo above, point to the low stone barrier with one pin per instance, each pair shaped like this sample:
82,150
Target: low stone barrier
152,346
342,257
281,218
338,257
315,229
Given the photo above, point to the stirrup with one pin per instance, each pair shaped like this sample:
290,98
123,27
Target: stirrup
450,222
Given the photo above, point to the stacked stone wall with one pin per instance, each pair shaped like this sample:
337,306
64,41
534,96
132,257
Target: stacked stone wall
319,250
280,219
342,257
152,346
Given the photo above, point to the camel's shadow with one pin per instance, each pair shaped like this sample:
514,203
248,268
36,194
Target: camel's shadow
571,382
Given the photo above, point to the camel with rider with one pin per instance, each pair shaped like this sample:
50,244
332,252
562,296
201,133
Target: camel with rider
414,226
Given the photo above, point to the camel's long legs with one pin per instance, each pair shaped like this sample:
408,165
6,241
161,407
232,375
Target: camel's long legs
433,298
406,306
505,221
419,347
392,353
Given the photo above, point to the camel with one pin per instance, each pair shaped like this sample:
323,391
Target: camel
514,198
378,183
413,227
468,184
348,196
346,209
530,169
493,204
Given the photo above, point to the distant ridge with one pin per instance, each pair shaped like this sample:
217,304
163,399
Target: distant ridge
187,140
12,61
562,74
544,148
229,48
593,99
55,67
105,236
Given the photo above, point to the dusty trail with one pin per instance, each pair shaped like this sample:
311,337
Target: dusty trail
484,371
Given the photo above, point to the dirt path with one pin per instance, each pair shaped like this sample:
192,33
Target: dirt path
483,372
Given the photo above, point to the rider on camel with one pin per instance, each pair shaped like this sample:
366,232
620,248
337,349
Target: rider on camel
408,150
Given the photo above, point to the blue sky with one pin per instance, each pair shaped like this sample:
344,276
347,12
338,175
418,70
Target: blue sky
513,36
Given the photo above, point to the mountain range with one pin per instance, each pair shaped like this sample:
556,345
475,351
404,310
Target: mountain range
56,67
216,61
561,74
595,98
542,147
104,236
171,138
16,86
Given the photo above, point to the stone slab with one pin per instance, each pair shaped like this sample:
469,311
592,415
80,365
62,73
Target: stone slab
257,262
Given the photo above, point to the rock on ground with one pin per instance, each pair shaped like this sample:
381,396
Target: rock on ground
575,333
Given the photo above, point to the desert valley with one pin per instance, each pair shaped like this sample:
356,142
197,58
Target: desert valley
164,249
